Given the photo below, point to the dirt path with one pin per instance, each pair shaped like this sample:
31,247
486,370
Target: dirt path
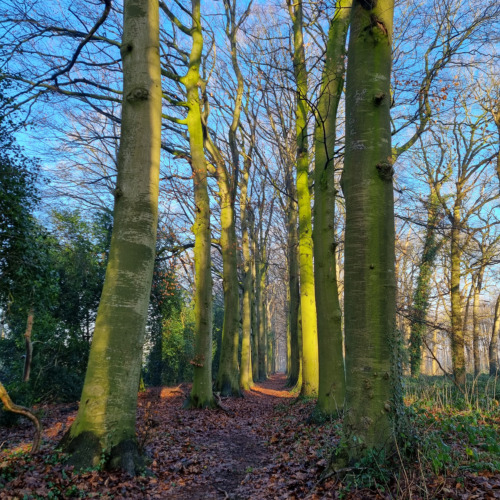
195,454
216,453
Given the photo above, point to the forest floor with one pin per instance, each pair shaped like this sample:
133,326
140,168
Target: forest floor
262,446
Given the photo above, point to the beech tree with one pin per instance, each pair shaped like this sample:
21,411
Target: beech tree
106,418
201,392
367,183
493,344
331,392
310,372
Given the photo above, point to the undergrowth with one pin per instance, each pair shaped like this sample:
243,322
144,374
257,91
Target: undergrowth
449,431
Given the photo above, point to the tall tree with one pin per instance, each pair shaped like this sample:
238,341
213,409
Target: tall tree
367,183
201,392
424,285
331,392
106,418
227,381
493,345
246,217
310,372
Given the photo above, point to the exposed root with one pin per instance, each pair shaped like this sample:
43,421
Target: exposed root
21,410
220,405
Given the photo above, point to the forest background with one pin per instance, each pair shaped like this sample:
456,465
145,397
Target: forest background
64,107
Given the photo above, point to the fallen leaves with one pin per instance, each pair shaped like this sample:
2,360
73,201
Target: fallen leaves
265,448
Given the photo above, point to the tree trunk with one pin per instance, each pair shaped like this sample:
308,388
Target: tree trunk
246,379
331,391
423,288
29,345
201,393
255,313
372,398
271,340
261,314
105,423
228,377
493,347
475,322
434,369
310,371
457,332
227,382
293,281
25,412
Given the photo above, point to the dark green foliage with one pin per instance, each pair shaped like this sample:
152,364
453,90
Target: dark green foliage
170,333
218,312
170,330
81,265
64,289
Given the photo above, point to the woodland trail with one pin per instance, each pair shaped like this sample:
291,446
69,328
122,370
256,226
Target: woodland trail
220,451
251,450
262,447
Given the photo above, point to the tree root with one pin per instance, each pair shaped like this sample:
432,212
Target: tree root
10,406
220,405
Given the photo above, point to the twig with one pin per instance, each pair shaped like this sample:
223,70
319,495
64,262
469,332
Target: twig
442,369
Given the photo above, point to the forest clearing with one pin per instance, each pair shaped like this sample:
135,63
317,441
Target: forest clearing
262,446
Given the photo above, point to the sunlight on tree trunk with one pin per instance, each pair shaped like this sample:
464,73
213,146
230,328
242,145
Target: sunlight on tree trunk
310,372
246,379
293,280
493,347
201,393
331,392
105,423
25,412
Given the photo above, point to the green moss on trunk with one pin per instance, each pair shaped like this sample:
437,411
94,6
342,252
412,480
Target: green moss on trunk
201,395
293,281
246,379
493,347
423,288
310,372
372,400
457,333
109,398
331,392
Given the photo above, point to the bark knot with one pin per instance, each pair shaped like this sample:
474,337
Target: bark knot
379,98
377,29
138,94
117,193
385,169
